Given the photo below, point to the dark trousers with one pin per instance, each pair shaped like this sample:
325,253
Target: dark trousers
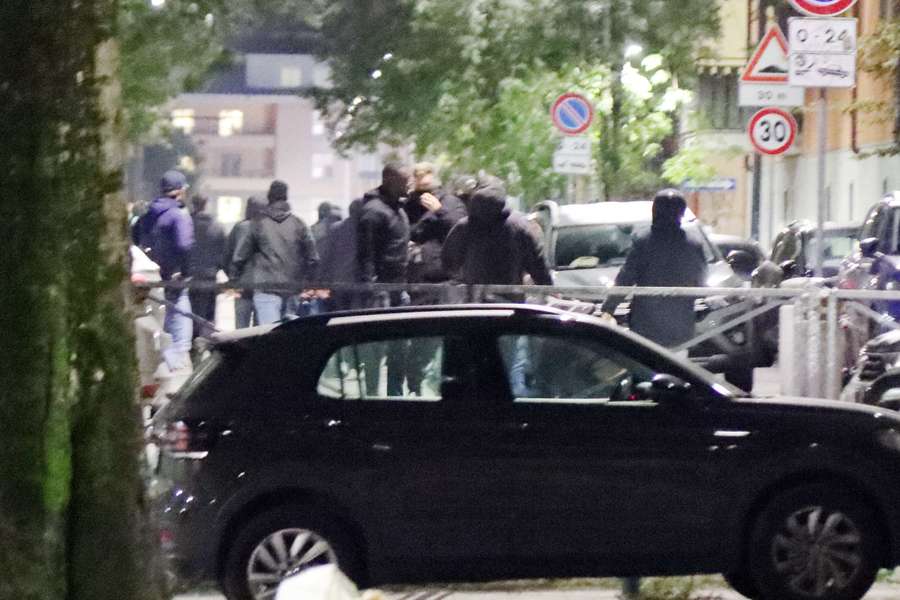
203,304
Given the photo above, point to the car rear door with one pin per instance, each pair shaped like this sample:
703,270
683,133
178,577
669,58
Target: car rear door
604,476
435,489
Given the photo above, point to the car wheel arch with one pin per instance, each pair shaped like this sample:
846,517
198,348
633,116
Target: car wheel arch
275,498
842,481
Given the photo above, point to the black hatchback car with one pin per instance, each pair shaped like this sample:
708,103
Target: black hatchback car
495,441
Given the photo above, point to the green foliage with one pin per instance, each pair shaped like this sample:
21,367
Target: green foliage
472,81
880,56
689,164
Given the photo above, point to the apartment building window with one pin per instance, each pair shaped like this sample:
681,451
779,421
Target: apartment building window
230,122
322,166
183,119
231,165
717,100
291,77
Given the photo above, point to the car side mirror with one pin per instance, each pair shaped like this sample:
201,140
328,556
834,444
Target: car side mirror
663,388
869,247
741,261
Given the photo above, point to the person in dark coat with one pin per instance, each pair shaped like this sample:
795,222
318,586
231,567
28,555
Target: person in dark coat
244,314
382,254
329,216
338,259
495,245
206,259
279,249
432,214
384,231
166,234
663,256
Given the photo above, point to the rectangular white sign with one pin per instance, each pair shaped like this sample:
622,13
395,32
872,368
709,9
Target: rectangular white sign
823,52
823,70
769,94
572,164
579,145
822,36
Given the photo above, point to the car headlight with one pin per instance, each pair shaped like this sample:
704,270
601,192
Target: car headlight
889,439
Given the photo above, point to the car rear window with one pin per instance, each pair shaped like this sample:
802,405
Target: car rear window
608,245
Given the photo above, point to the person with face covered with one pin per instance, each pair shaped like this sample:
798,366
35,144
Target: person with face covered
495,245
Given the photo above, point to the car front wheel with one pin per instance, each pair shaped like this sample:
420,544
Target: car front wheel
281,543
814,543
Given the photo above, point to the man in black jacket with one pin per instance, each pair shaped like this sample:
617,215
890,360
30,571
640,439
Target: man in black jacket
663,256
205,259
279,249
495,245
432,214
244,313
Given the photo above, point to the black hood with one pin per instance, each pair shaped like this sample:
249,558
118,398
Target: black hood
278,211
488,206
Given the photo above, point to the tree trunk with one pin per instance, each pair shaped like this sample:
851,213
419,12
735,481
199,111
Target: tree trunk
71,516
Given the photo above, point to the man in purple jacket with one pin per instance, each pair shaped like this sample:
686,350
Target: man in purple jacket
166,233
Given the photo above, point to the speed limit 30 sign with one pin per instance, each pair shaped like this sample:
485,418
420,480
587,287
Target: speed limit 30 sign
773,131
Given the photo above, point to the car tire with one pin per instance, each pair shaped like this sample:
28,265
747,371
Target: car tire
814,543
257,541
742,378
742,583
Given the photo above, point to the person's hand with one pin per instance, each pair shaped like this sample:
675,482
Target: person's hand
430,202
608,318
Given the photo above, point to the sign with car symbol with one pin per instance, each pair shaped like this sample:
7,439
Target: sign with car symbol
823,52
772,131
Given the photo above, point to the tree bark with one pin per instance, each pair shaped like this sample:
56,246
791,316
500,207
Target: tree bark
70,496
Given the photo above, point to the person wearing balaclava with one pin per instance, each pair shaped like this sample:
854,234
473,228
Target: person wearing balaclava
279,250
664,256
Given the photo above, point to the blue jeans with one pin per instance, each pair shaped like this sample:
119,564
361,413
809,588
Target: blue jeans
181,328
269,307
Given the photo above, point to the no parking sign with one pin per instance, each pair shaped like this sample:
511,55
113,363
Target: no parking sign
572,113
823,8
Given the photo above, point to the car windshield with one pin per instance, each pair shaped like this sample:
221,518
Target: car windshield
593,246
838,244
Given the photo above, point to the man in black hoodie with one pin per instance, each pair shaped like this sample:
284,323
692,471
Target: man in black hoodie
206,258
663,256
494,245
279,249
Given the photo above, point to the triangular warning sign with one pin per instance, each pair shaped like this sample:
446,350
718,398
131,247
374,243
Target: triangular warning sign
769,63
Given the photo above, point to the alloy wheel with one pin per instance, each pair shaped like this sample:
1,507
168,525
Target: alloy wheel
818,551
282,554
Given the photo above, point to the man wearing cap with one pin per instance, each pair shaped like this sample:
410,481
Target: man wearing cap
279,250
663,256
166,232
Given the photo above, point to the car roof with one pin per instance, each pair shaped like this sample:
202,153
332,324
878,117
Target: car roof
398,314
613,213
733,240
806,226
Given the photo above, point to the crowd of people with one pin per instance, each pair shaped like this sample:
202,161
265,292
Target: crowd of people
410,229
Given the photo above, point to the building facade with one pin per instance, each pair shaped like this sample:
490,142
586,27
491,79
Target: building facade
857,175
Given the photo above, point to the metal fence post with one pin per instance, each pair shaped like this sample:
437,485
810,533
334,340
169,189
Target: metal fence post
814,387
832,365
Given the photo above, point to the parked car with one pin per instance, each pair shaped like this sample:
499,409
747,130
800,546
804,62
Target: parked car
794,252
742,254
587,245
537,443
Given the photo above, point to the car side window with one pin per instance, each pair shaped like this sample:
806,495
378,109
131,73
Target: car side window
874,223
408,369
560,370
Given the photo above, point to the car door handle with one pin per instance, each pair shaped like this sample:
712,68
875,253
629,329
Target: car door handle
379,447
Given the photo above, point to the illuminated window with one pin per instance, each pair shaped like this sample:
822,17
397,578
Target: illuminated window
291,77
230,122
318,125
322,166
183,119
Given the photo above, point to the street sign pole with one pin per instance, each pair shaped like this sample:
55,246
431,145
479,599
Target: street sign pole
823,200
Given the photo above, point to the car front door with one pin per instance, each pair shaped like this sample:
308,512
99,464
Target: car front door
604,474
434,488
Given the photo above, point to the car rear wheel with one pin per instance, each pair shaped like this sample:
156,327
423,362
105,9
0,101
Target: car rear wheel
814,543
283,542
